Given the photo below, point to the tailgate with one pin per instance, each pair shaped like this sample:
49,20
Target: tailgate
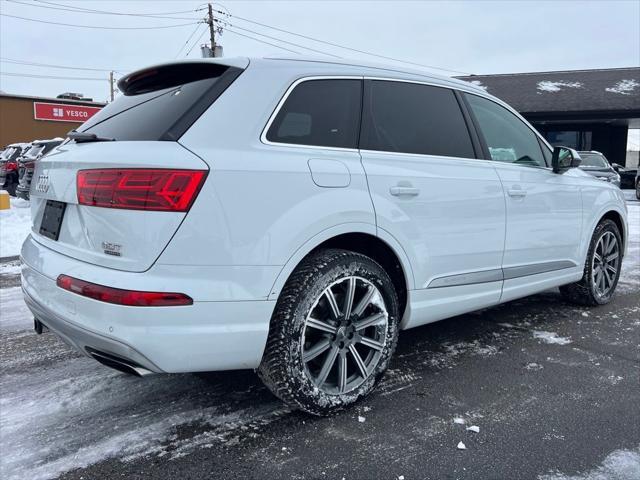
111,237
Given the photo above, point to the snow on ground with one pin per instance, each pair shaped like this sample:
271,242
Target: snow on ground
630,275
550,337
14,314
619,465
549,86
15,225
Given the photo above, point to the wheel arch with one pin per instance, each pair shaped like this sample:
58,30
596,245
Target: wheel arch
362,239
616,218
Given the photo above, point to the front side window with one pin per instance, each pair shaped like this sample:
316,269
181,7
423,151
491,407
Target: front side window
323,113
414,118
508,138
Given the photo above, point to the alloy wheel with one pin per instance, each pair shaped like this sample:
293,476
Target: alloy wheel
344,335
606,262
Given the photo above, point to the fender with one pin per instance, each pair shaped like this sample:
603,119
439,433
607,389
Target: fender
593,222
334,231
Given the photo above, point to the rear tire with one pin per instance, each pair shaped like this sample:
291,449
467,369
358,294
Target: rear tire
333,332
602,268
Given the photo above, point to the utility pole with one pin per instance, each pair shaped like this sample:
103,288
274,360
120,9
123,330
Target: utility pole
111,85
216,50
212,30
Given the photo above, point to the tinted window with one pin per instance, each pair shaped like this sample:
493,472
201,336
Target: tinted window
323,113
161,113
413,118
508,138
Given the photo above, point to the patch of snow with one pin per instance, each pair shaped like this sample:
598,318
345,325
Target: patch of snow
630,273
361,419
550,337
15,225
10,268
624,87
533,366
549,86
585,314
618,465
459,421
461,446
14,314
479,84
474,428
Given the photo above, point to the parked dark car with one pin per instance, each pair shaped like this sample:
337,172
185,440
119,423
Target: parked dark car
26,164
9,166
596,164
627,176
638,183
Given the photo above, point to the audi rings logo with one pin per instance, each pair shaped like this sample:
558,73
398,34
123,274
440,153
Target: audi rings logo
42,185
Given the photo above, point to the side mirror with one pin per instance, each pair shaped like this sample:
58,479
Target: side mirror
564,158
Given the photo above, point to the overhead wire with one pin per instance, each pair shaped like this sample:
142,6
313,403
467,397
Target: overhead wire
96,26
64,67
29,75
227,29
364,52
106,12
196,42
188,40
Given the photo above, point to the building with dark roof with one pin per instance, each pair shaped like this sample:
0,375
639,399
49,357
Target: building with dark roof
582,109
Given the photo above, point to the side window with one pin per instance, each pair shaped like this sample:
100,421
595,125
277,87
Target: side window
414,118
508,138
323,113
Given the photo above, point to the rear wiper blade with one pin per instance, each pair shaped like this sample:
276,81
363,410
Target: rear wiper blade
81,137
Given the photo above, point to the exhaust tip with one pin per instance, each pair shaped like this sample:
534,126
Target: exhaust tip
117,363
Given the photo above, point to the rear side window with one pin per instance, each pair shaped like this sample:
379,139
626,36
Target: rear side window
508,138
162,103
414,118
324,113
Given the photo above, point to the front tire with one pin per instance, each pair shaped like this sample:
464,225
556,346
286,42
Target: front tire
333,332
601,270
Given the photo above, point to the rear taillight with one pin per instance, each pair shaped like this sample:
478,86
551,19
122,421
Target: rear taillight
140,188
118,296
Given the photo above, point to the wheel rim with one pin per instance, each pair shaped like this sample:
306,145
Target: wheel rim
606,262
344,335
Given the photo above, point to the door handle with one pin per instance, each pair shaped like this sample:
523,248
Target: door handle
517,192
404,191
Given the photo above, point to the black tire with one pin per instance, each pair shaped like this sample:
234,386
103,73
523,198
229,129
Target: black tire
282,368
584,292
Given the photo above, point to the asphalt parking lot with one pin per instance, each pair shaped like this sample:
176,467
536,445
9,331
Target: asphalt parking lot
554,390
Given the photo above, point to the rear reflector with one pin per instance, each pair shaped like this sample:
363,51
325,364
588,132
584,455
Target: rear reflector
122,297
140,188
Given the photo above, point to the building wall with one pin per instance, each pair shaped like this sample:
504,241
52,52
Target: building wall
18,125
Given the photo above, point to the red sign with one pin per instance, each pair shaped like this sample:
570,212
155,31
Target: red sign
61,112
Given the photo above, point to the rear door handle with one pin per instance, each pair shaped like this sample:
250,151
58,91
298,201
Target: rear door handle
404,191
517,192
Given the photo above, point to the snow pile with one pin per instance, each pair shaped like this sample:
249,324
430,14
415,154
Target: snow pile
550,337
624,87
14,315
479,84
549,86
630,274
619,465
15,225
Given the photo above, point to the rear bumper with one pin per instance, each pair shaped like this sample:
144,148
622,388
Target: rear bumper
204,336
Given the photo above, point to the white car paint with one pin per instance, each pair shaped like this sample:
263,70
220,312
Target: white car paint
265,206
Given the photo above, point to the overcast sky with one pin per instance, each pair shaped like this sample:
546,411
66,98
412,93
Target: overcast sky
468,36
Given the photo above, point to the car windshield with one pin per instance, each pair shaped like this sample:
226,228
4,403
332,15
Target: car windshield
594,160
34,151
7,153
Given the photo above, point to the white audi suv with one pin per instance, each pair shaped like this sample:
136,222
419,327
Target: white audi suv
294,216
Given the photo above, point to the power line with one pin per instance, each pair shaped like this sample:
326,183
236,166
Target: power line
196,42
29,75
35,64
91,10
188,40
227,29
342,46
280,40
96,27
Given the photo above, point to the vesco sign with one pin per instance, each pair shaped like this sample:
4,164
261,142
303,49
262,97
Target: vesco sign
60,112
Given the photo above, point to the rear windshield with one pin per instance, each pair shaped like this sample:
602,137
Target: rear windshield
162,103
34,151
8,153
